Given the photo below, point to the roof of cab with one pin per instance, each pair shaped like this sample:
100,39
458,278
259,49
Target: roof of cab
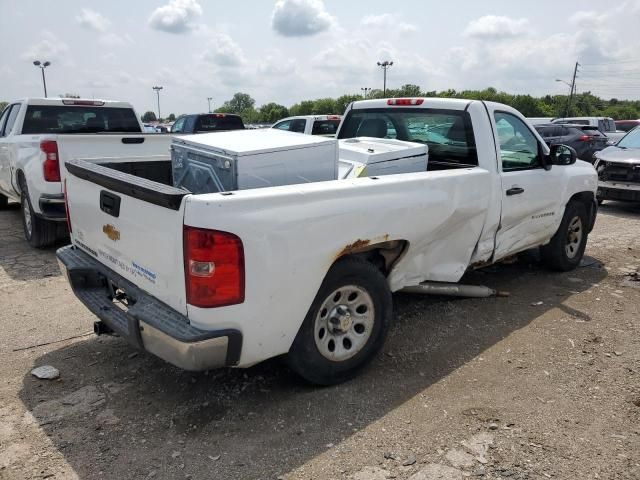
417,102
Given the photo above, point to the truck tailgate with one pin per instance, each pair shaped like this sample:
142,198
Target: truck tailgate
131,225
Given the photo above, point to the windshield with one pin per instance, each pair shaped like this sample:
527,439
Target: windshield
448,133
74,119
631,139
218,122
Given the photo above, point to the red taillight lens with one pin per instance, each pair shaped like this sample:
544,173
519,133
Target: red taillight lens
585,138
66,205
51,165
405,101
214,268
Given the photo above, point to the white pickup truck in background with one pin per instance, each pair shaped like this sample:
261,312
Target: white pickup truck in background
307,270
30,153
326,125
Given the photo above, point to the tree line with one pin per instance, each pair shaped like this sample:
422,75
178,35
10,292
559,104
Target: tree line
582,105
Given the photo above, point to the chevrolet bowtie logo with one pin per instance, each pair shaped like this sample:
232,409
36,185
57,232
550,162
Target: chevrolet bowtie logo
111,232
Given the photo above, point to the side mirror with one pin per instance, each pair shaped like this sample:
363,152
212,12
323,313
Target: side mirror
562,155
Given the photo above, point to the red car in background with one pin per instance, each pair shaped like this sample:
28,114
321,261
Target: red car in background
626,125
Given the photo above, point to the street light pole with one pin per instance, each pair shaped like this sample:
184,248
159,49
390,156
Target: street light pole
366,90
209,102
42,66
157,89
385,66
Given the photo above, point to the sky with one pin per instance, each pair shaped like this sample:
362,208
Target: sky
286,51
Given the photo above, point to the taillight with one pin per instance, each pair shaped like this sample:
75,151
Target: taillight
585,138
214,268
66,206
405,101
51,165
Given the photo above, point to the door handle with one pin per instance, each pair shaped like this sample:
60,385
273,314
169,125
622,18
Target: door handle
515,191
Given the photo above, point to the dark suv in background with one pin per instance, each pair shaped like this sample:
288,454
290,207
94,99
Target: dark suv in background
207,122
585,139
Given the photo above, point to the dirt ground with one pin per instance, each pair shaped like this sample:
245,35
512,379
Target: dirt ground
542,384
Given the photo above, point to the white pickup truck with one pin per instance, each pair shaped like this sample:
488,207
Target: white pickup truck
326,125
307,270
30,153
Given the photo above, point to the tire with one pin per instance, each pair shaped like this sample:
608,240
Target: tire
4,202
38,232
352,309
566,249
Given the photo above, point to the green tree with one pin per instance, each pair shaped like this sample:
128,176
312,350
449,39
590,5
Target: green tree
272,112
324,106
171,117
409,90
241,102
149,116
303,108
3,105
343,102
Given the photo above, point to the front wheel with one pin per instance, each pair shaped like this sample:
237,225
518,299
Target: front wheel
346,325
566,249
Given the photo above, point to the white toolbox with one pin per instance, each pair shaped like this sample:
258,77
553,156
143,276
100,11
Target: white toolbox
244,159
381,156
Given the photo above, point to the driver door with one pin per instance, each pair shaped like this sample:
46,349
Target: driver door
530,193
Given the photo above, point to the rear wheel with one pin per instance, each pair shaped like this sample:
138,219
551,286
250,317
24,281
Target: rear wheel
4,201
345,326
37,231
566,249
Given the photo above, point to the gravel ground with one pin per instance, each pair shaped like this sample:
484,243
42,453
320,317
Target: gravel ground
484,388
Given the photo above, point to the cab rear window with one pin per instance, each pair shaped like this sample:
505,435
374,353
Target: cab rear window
448,133
42,119
213,123
325,127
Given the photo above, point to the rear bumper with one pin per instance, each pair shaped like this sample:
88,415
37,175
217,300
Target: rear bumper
616,191
146,323
52,207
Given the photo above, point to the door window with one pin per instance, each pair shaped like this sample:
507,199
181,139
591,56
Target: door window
283,125
519,149
177,126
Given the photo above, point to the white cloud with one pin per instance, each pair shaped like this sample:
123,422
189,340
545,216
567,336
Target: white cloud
223,51
93,20
389,21
50,48
299,18
177,16
496,27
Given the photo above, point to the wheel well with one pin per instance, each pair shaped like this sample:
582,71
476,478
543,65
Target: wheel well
384,255
21,181
588,199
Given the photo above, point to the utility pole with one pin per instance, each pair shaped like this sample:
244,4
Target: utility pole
366,90
157,89
385,66
573,90
209,102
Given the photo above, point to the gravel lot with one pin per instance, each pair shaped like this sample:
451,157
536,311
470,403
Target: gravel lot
494,388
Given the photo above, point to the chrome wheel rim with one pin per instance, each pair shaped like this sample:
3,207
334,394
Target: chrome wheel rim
574,237
344,323
26,213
